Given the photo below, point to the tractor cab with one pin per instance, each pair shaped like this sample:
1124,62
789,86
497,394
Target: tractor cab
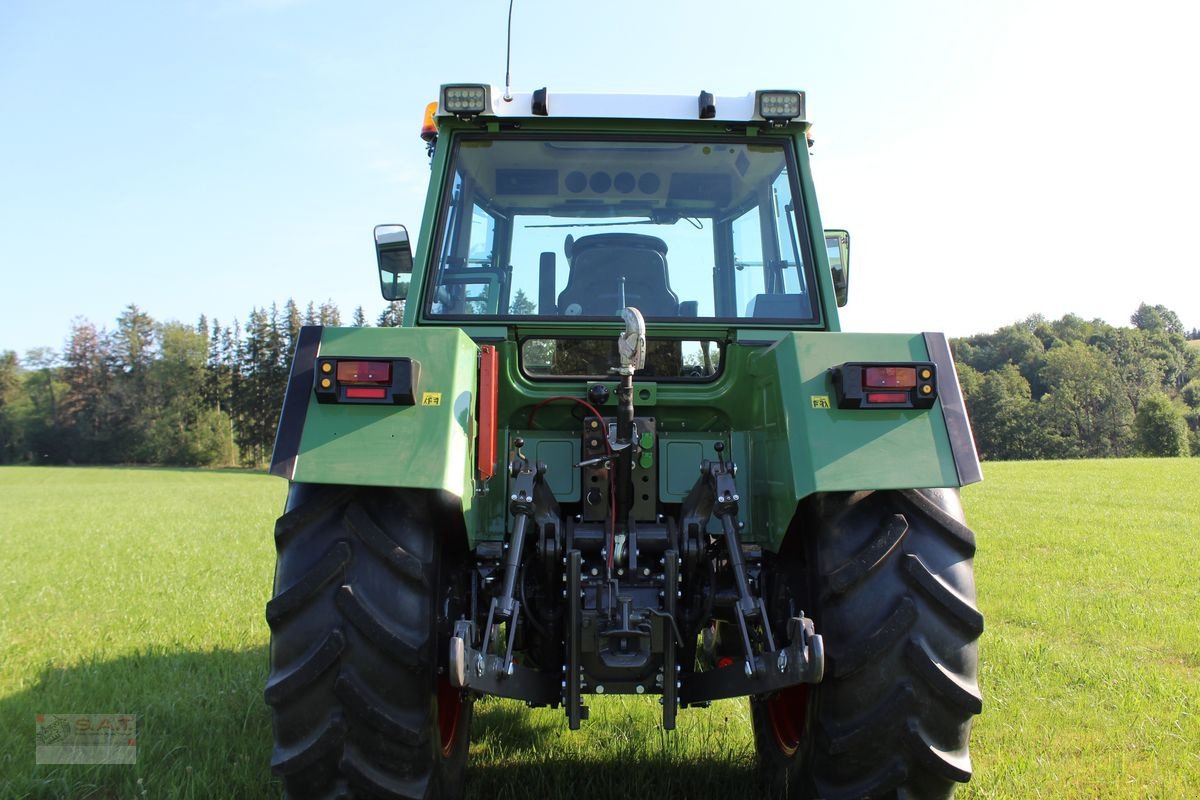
700,224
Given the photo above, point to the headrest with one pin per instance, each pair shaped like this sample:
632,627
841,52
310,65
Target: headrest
573,246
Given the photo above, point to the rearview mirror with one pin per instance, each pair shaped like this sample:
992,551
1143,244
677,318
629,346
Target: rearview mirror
837,247
394,254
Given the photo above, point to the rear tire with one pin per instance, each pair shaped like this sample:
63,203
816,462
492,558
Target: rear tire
359,707
888,579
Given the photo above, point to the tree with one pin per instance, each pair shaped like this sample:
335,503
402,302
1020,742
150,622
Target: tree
392,316
134,339
521,304
329,315
91,417
1190,393
293,323
1012,344
360,318
1161,427
184,429
44,388
259,391
1003,416
1137,359
1086,412
970,380
11,438
1156,318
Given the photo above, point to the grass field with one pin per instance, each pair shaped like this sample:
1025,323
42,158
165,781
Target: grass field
141,591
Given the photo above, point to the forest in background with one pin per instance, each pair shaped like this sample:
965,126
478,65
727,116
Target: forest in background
167,393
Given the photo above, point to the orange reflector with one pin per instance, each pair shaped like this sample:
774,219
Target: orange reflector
366,393
429,129
489,383
887,397
364,372
890,378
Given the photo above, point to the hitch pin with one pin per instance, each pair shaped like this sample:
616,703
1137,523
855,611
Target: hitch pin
598,461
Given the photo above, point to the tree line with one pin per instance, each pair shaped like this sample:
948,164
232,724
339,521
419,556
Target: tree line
150,392
1071,388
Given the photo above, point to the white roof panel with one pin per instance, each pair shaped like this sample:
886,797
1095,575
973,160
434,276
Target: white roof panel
621,106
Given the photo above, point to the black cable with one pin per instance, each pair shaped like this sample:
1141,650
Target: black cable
537,626
508,55
670,618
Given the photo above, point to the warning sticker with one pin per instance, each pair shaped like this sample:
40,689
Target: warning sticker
820,401
431,399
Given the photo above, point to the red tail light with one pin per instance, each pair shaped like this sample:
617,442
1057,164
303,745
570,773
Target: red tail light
366,393
359,380
364,372
891,386
887,397
890,378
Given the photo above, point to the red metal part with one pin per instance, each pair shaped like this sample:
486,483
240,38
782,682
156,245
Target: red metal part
488,387
449,713
787,711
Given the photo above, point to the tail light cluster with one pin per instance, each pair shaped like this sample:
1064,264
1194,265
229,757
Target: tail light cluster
865,385
356,380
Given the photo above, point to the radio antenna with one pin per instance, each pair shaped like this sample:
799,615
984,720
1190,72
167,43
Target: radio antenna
508,58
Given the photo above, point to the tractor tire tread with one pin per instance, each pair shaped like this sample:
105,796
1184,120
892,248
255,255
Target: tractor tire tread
304,515
319,659
355,715
959,693
399,560
890,577
360,701
847,737
869,557
296,596
374,782
396,642
951,766
882,783
956,606
953,529
310,750
898,623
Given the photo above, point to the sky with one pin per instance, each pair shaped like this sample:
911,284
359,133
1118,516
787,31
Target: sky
992,160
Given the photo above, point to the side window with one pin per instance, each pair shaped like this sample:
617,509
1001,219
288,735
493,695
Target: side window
790,262
748,278
483,238
468,282
769,278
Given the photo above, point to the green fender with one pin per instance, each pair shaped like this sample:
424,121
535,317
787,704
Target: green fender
802,443
426,445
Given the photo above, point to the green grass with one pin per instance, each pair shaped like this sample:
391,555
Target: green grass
141,591
1088,579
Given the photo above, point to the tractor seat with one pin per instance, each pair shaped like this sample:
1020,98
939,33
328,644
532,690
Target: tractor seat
599,262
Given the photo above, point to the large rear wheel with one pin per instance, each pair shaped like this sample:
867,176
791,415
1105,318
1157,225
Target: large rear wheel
360,708
888,579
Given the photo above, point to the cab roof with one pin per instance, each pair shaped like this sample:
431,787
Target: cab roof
582,105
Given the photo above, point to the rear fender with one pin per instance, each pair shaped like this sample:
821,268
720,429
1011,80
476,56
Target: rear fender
804,443
425,445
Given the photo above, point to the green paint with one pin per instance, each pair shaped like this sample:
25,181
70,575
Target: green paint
428,446
772,404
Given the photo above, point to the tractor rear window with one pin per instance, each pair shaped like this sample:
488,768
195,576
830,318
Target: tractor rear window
594,358
572,228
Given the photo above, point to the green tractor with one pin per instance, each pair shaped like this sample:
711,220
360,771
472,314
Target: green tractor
620,445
